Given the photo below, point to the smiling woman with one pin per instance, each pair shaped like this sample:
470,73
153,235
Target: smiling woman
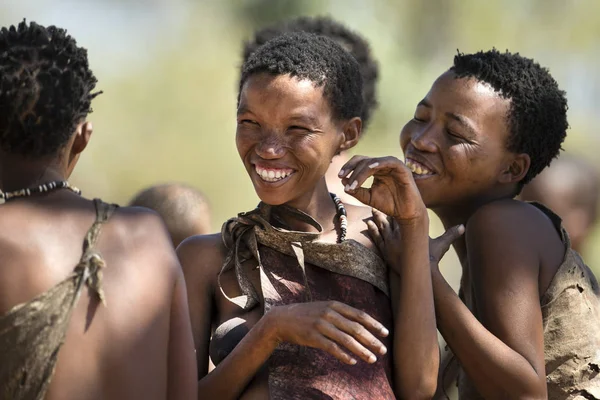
526,322
298,299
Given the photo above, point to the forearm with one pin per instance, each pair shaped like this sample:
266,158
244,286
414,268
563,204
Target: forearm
416,353
496,370
229,379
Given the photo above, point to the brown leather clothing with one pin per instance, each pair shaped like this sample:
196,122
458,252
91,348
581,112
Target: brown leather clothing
295,267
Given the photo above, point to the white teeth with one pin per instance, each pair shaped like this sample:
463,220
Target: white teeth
271,175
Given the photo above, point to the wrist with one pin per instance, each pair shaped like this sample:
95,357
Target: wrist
268,328
414,224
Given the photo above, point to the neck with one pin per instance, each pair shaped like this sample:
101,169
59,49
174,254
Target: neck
17,172
318,204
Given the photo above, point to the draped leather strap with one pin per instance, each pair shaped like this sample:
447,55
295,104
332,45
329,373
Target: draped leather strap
243,234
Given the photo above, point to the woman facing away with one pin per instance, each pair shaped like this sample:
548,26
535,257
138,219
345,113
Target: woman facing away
293,293
92,297
526,322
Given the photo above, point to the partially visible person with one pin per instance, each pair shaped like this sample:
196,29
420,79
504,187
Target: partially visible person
184,209
526,321
570,186
352,42
93,302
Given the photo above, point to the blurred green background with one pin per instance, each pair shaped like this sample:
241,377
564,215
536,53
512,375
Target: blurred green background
169,68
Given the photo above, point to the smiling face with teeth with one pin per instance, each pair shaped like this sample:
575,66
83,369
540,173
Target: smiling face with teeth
456,144
287,137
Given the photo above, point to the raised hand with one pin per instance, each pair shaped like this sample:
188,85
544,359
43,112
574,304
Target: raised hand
385,233
393,191
330,326
440,245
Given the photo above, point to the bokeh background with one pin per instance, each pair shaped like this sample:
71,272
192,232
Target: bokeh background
169,69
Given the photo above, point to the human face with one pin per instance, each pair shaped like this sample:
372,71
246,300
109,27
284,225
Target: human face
286,137
456,143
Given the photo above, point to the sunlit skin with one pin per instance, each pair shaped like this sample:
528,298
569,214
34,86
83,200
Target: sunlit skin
286,137
290,135
459,133
140,345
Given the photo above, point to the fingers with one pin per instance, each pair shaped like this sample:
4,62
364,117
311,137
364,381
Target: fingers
376,236
442,243
350,165
356,172
359,316
320,341
346,341
381,220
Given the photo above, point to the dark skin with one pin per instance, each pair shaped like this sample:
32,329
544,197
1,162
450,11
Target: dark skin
285,125
466,176
570,188
140,345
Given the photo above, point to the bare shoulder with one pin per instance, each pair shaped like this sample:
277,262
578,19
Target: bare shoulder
511,235
141,232
357,225
202,256
138,225
513,218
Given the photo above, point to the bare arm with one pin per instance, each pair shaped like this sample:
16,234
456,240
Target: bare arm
416,353
501,349
182,366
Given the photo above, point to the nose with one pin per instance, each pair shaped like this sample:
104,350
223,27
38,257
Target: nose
270,147
423,138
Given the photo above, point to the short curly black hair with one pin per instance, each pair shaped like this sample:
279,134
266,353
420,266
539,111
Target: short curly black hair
45,89
351,41
537,118
315,58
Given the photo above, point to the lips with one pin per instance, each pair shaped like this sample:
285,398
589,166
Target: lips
272,174
419,167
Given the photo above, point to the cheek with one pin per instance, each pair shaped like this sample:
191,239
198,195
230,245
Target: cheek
405,135
245,139
240,143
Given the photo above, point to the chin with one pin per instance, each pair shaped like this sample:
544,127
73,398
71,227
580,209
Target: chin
272,197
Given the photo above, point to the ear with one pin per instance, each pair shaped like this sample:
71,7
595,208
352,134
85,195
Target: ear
517,169
352,131
79,142
82,137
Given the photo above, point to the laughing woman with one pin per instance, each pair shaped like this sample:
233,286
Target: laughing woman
526,322
294,293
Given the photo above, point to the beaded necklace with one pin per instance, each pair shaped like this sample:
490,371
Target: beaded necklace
43,188
341,214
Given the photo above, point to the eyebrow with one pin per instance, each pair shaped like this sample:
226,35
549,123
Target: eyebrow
463,121
306,119
456,117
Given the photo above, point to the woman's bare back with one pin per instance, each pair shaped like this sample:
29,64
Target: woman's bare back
121,350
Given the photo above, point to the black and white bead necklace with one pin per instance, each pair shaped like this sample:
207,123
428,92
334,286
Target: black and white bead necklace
343,218
44,188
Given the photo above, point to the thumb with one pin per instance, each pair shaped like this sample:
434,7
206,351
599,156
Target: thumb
447,238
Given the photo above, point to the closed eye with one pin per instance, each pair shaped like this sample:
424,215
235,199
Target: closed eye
298,128
457,136
248,122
